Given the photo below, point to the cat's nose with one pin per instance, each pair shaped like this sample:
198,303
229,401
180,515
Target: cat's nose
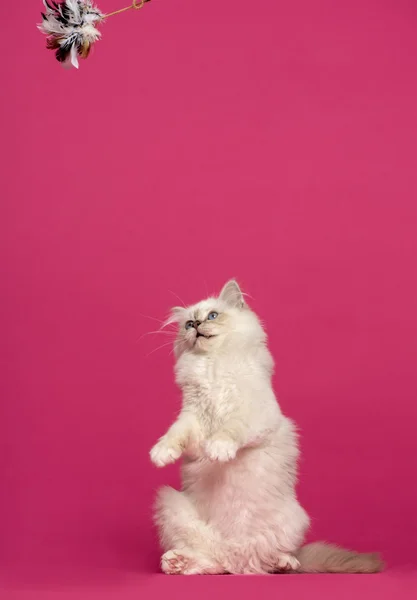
196,324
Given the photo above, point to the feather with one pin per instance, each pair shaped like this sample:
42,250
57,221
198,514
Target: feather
70,27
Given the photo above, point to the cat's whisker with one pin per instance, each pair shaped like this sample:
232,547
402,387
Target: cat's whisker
181,344
178,298
153,318
159,348
158,331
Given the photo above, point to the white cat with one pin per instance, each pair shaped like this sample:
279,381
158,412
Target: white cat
237,511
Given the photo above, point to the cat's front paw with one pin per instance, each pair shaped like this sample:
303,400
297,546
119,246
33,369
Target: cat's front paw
221,449
164,453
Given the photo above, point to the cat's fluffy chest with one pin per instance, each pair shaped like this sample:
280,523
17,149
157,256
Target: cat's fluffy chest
228,385
210,387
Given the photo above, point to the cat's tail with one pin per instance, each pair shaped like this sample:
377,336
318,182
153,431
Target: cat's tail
321,557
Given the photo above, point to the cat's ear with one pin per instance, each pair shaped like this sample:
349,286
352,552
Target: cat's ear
232,294
176,315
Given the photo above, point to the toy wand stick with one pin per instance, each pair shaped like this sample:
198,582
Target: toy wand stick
135,5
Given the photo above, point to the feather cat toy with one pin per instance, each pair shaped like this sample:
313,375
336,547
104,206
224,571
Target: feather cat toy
71,27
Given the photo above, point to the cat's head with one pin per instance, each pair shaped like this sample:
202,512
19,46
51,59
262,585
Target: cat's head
212,323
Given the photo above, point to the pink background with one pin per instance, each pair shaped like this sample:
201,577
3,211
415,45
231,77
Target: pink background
272,141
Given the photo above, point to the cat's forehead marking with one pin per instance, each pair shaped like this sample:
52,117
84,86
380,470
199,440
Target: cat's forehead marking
199,311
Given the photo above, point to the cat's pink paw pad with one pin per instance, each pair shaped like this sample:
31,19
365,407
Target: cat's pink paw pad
222,450
174,563
164,454
287,562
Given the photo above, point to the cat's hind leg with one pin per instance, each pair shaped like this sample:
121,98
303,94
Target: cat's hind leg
188,562
291,525
191,546
286,563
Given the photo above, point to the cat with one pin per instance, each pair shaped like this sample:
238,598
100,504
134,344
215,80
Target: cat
237,511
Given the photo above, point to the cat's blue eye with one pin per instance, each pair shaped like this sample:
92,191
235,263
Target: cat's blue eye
213,315
189,324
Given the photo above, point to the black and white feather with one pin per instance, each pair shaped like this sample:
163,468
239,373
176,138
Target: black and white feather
70,27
